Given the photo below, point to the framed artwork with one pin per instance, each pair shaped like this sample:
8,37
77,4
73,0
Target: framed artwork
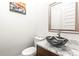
18,7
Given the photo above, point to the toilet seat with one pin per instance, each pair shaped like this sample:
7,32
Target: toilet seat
29,51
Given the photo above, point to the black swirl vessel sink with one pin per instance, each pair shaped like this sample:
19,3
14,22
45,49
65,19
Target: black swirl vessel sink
56,41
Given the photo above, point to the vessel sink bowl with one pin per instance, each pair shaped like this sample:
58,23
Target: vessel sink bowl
56,41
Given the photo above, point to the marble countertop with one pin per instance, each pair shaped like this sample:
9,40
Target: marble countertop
69,50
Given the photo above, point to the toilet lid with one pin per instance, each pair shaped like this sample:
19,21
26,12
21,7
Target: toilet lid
29,51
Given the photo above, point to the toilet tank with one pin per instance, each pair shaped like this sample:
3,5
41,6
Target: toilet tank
37,39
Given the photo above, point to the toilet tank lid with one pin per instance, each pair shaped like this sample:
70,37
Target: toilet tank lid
39,38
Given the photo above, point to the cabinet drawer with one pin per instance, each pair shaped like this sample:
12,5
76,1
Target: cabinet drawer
43,52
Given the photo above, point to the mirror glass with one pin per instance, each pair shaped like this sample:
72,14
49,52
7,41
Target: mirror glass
63,16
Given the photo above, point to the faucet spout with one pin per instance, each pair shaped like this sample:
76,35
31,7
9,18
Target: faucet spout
59,34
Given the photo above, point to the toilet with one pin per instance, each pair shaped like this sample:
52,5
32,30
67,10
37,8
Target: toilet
31,51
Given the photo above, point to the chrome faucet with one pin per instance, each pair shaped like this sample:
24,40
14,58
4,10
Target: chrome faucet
59,34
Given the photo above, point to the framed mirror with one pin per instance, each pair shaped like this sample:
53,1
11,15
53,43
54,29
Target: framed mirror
63,16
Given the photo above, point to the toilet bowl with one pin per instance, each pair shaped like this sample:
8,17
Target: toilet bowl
31,51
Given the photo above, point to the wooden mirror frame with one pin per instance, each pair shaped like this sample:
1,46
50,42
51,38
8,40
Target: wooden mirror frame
76,18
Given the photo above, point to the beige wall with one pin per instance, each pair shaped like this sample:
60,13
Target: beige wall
16,30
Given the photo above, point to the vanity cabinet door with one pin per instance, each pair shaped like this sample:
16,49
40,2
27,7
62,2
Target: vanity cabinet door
43,52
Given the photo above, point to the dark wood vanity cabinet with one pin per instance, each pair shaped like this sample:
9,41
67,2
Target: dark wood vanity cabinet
43,52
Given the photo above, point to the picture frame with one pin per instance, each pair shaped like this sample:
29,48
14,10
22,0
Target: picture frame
18,7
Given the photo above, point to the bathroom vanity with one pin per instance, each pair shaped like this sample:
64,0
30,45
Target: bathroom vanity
46,49
44,52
